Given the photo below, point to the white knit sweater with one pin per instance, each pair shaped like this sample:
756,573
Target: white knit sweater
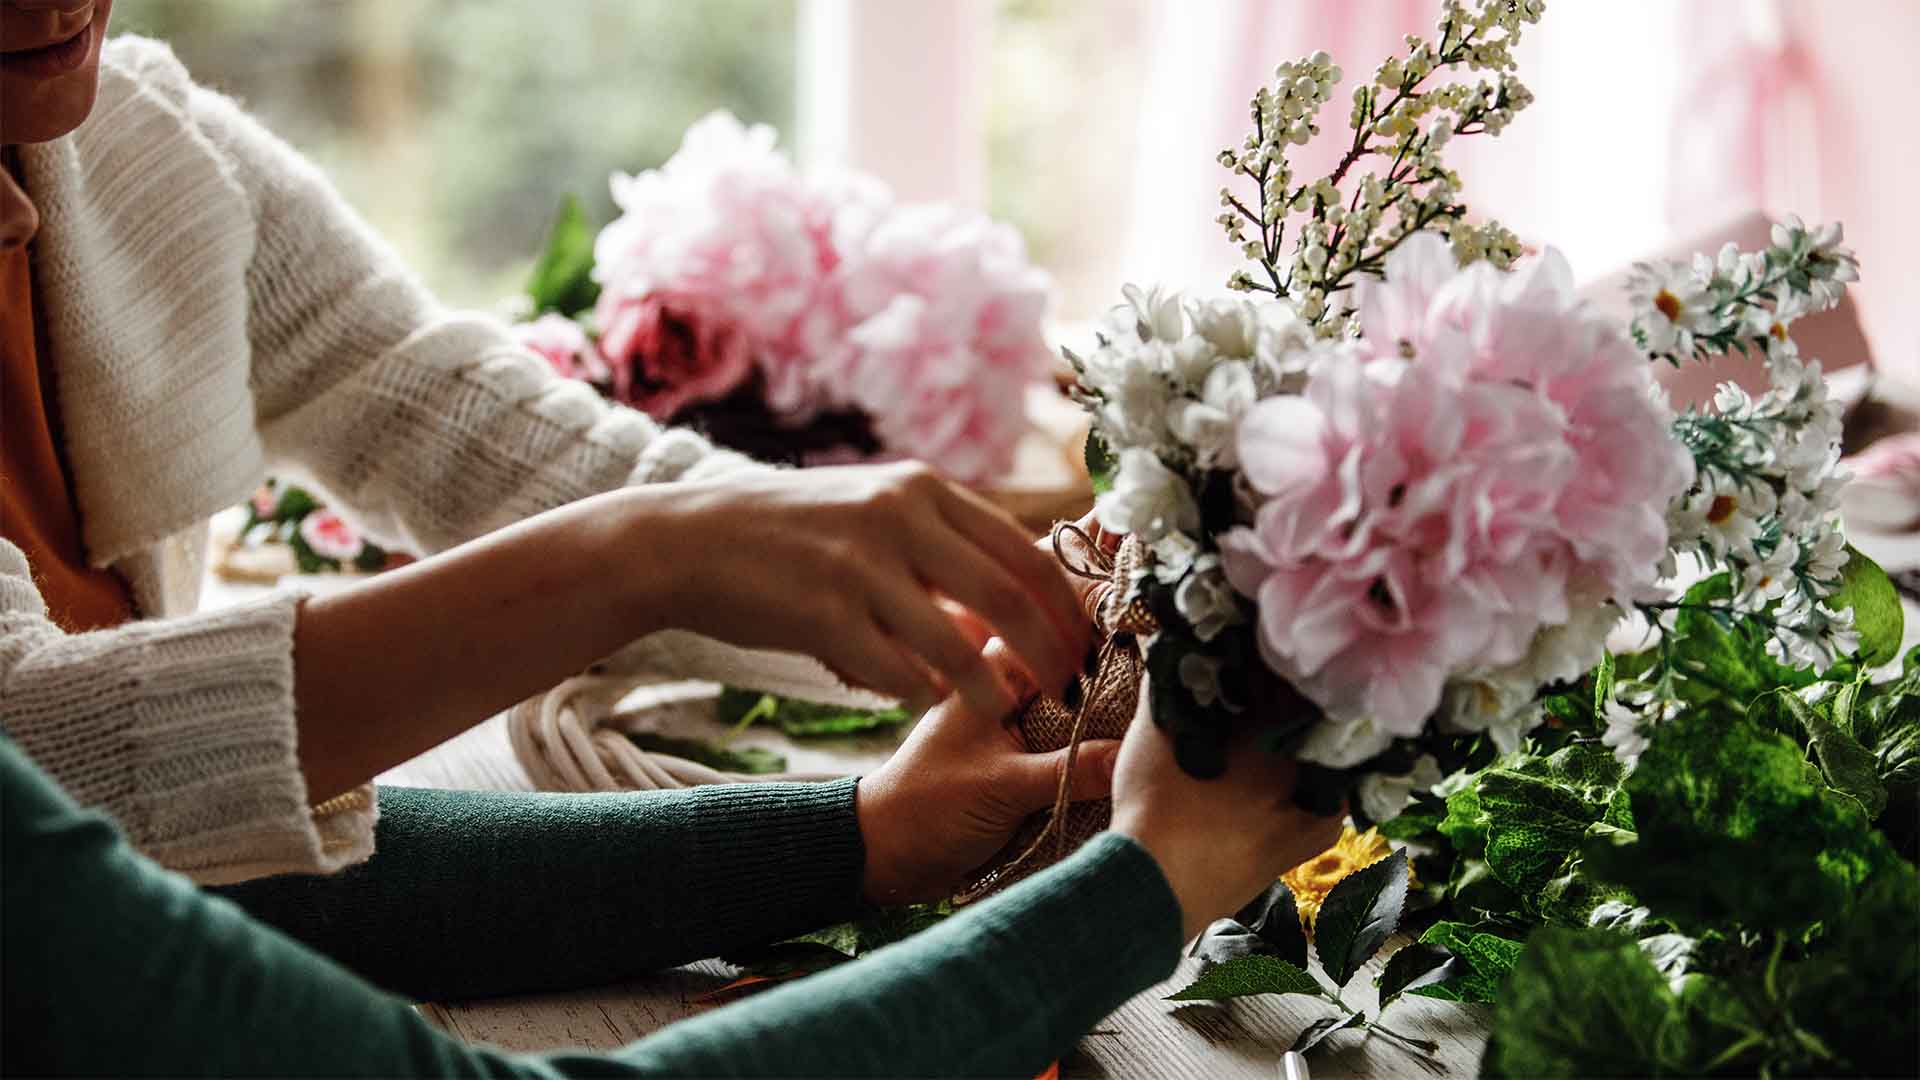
216,312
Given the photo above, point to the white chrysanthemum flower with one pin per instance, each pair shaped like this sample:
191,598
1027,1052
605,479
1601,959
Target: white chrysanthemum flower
1671,305
1344,743
1624,734
1498,703
1206,599
1770,578
1382,797
1207,426
1148,499
1156,314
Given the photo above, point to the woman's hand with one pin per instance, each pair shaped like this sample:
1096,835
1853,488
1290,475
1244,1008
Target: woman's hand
954,792
1220,842
861,567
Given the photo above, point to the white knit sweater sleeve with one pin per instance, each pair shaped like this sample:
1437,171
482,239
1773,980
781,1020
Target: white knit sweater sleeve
182,729
429,427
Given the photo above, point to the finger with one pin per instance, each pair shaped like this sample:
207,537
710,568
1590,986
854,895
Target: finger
906,612
962,572
996,534
869,658
1020,685
1032,781
1086,590
969,624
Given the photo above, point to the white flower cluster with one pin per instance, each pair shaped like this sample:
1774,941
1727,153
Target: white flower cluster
1350,230
1736,299
1765,501
1167,388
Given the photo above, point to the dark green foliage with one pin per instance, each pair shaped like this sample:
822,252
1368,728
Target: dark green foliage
802,719
562,278
1736,827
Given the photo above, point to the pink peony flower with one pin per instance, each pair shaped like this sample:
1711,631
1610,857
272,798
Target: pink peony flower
944,337
560,342
668,354
330,536
926,319
1485,450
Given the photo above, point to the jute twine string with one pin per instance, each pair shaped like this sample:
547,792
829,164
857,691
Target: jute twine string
1108,695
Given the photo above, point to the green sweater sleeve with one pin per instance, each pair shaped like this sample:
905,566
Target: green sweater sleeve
114,966
475,894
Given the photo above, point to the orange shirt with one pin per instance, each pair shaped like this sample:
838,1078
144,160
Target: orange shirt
37,511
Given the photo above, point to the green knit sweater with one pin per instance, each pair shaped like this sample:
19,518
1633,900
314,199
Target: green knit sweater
115,966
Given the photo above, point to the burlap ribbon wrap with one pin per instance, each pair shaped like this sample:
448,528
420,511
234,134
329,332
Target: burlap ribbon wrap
1103,703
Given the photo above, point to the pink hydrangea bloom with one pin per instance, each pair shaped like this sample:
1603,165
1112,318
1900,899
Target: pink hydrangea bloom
561,343
927,319
1488,449
330,537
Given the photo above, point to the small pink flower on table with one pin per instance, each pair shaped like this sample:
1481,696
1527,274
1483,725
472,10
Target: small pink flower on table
265,501
560,342
330,536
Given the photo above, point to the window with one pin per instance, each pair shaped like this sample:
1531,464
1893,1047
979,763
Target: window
456,127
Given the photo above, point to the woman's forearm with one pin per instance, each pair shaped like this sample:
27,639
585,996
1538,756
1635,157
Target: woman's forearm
479,893
401,663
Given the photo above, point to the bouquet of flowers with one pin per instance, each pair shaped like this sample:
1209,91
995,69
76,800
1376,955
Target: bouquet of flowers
798,319
803,318
1413,478
1419,480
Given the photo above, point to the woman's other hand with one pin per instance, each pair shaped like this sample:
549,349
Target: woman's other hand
956,790
1219,841
861,567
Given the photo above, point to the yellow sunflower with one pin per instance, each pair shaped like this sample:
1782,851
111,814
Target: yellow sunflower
1311,881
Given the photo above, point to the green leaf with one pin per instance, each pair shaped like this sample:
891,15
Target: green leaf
751,760
1318,1031
295,503
1274,919
1732,829
1415,966
1465,825
1359,915
1488,957
1586,1003
1848,766
1877,615
1420,819
1253,974
802,719
562,278
1532,826
1721,661
1100,463
1603,677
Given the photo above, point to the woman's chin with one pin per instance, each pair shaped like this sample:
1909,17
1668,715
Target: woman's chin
48,92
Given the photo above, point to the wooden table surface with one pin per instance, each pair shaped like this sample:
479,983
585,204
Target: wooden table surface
1146,1037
